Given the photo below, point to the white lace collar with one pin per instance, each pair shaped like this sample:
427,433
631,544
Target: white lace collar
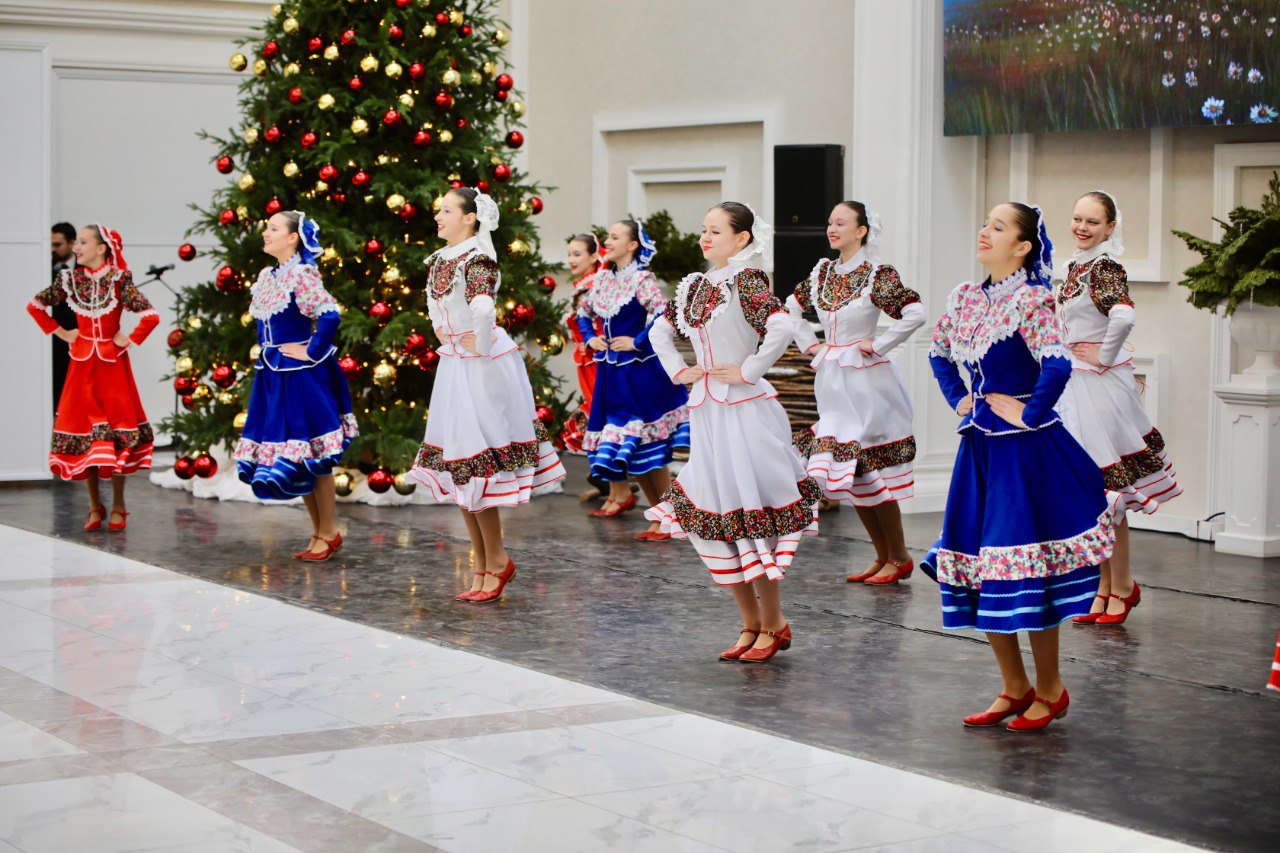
719,279
1087,255
846,267
275,285
613,289
448,253
1006,285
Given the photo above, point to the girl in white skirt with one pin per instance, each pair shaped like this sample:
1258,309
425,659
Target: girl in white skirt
862,448
743,499
1101,406
484,448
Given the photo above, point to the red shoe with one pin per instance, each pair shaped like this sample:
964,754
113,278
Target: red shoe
735,652
993,718
481,596
297,555
625,505
331,547
90,523
1090,618
653,536
115,527
470,593
780,643
902,571
876,566
1056,709
1130,601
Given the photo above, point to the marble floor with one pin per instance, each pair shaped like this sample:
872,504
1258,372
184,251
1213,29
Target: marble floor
248,701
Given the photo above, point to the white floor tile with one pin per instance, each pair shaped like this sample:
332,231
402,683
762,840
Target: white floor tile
20,741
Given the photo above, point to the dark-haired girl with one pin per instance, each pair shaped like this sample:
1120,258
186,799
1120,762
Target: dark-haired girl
299,421
638,418
584,262
1027,522
484,447
744,498
100,431
1101,406
862,447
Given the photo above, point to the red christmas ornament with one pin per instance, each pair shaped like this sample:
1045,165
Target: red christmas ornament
548,283
462,124
226,279
349,366
227,217
360,179
175,338
417,71
223,376
483,186
504,82
400,4
444,100
188,403
502,172
182,466
515,139
409,211
187,252
274,206
442,18
535,204
272,134
429,360
328,172
339,197
270,50
295,95
316,44
204,466
523,315
373,247
395,32
422,139
309,139
224,165
380,311
348,38
183,384
545,414
356,84
415,344
501,95
391,118
465,29
456,185
380,480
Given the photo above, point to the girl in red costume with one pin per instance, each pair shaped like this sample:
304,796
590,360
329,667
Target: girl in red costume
100,431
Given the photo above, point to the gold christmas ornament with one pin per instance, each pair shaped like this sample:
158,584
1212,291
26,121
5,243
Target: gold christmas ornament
554,344
517,108
404,484
500,36
490,68
251,135
246,182
407,101
435,205
325,101
194,323
393,70
451,77
291,69
369,64
322,187
277,10
184,365
246,319
331,52
395,201
238,62
475,78
453,176
260,67
444,137
384,374
429,31
239,419
291,169
242,213
289,25
329,255
518,247
359,126
343,483
391,275
455,17
255,352
227,398
201,393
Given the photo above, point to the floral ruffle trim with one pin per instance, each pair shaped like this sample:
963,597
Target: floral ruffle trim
869,459
512,457
322,447
1132,468
74,444
659,430
739,524
1036,560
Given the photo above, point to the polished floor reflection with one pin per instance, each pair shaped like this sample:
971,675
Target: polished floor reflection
317,733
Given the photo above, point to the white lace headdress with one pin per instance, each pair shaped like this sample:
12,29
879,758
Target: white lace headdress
486,223
761,234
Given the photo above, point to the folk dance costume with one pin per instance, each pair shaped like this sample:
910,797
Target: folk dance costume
484,446
744,498
1100,406
299,421
638,417
582,358
100,428
1027,522
861,449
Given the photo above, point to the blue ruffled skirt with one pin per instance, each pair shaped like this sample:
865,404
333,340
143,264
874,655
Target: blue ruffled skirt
638,419
1026,527
298,425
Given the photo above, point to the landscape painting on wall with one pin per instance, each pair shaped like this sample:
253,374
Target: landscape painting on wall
1029,66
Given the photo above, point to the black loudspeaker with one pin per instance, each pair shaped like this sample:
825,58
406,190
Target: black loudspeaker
808,180
794,256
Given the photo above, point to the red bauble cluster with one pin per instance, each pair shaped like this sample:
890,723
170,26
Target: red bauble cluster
349,366
175,338
227,217
273,134
183,467
223,376
548,283
224,165
227,280
328,173
309,139
204,466
380,311
429,359
380,480
274,206
535,204
187,252
502,172
373,246
545,415
515,139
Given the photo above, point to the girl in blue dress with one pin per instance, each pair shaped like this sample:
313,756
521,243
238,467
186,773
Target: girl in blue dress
1027,521
299,421
638,417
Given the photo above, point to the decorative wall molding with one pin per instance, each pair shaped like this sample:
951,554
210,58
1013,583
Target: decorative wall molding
131,72
233,18
640,177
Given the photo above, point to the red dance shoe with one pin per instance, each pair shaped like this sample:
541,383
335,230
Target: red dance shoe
780,643
470,593
297,555
1090,618
331,547
993,718
91,523
902,571
622,507
653,536
876,566
1056,709
1130,601
735,652
117,526
481,596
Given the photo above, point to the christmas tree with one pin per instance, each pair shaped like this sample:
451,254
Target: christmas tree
362,114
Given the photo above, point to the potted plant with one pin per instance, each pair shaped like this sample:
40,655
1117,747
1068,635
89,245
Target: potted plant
1241,274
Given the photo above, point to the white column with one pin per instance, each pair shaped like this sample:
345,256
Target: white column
25,103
